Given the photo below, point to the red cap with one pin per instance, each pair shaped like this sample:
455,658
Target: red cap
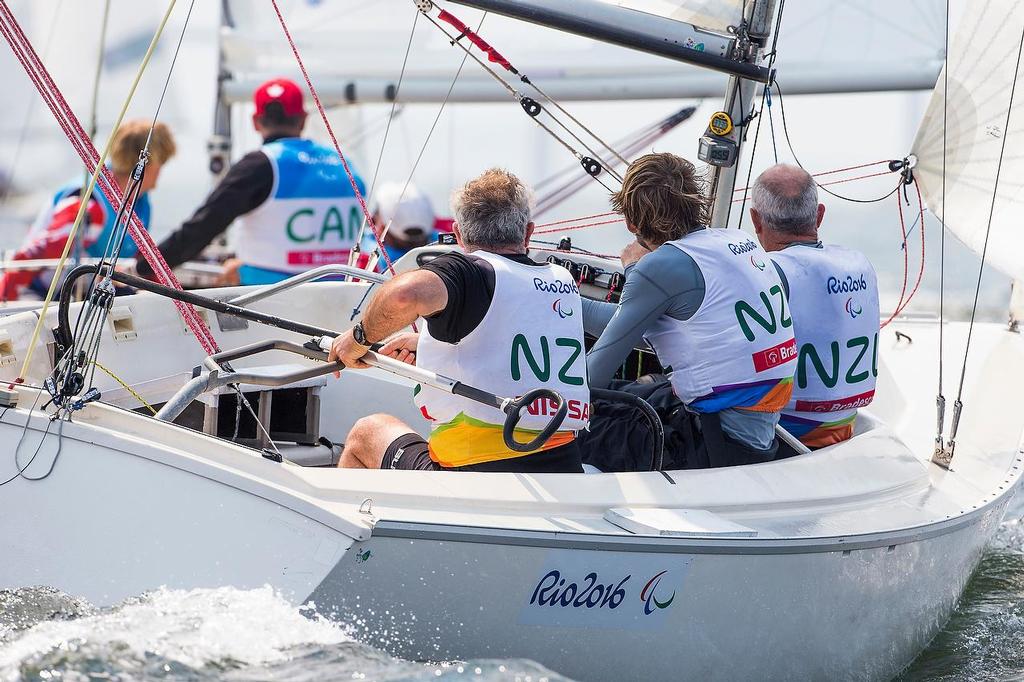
280,90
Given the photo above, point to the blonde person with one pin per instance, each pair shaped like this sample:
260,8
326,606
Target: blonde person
49,234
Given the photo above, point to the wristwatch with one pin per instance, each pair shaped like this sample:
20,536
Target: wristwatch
359,335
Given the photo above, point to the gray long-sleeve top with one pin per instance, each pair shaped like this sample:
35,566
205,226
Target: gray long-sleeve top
664,282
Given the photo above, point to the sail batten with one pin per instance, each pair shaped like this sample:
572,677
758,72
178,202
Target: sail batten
984,59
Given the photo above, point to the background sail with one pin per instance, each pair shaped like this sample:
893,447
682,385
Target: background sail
714,15
868,45
981,67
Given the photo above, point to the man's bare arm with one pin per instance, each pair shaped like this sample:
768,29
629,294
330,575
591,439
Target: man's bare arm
397,305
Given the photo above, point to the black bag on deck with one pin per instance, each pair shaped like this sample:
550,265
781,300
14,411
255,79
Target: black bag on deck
620,440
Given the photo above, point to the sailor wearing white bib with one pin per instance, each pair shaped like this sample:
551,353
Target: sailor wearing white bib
833,295
494,320
292,201
713,307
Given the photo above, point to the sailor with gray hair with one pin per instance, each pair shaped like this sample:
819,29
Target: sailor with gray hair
495,320
833,298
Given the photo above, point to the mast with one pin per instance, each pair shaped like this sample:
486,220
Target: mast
739,99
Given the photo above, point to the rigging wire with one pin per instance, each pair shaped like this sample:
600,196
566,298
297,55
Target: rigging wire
533,109
100,165
30,112
354,253
765,97
789,143
82,144
940,398
496,57
330,131
958,403
423,147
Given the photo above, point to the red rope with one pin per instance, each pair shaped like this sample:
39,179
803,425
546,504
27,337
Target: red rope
575,220
837,182
921,267
833,172
579,227
492,54
330,131
80,141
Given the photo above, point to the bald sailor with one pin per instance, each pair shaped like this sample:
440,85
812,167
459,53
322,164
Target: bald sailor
833,298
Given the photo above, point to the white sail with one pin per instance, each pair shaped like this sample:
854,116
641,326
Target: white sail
982,66
714,15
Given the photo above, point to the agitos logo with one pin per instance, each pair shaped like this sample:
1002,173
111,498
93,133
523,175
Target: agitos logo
650,599
852,308
562,312
757,263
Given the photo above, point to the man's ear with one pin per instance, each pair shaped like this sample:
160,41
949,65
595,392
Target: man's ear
821,214
302,122
755,218
530,227
458,235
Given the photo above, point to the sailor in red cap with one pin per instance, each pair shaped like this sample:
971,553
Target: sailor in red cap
293,203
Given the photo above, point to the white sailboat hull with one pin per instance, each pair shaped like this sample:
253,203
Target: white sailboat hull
119,515
822,614
841,564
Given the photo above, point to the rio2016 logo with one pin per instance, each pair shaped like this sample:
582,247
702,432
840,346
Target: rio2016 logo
757,263
562,312
853,309
650,600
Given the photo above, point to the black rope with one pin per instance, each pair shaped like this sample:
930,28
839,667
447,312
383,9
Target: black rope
789,143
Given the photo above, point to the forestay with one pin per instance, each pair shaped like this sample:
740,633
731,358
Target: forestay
980,71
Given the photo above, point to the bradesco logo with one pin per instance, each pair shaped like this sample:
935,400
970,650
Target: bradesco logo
742,247
846,285
775,356
852,402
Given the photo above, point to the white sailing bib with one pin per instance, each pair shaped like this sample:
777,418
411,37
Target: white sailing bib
833,294
531,337
311,217
738,347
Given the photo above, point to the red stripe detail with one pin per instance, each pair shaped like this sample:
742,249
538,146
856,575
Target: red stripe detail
492,54
80,141
774,356
838,405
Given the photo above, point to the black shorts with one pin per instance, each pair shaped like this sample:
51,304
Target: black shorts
409,451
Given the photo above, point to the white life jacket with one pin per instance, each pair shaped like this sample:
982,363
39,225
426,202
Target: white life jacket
738,349
311,217
833,294
531,337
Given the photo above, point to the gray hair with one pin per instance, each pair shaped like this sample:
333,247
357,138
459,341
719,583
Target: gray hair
786,197
493,210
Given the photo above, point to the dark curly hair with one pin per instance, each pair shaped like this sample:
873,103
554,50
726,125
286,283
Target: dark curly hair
663,197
